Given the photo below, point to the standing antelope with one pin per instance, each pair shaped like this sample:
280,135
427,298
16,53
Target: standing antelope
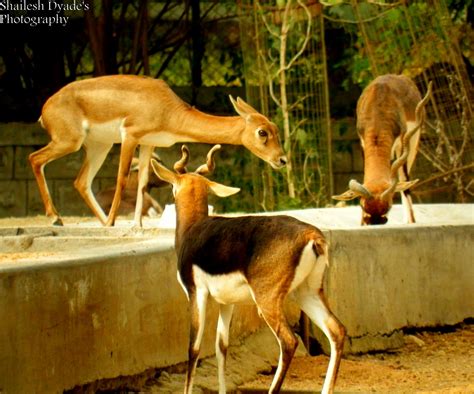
259,259
133,110
390,114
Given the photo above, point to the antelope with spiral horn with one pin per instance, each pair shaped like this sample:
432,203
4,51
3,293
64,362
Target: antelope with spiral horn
247,259
390,115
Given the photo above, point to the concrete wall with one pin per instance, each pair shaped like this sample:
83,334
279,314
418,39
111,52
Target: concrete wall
103,313
96,313
387,278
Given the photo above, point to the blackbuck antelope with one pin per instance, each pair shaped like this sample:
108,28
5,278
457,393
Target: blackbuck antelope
133,110
248,259
390,114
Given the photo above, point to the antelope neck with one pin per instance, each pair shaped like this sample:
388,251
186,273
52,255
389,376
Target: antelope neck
189,210
211,129
377,153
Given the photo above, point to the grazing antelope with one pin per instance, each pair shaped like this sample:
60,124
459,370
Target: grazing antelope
390,114
248,259
133,110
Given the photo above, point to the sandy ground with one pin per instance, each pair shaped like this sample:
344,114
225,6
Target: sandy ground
430,362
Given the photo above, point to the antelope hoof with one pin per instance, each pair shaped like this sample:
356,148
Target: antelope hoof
57,221
109,223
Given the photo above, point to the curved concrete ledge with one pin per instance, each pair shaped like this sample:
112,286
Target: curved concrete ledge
70,319
107,303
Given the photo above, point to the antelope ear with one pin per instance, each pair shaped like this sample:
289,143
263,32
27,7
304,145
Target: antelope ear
402,186
346,196
241,107
222,190
247,107
163,173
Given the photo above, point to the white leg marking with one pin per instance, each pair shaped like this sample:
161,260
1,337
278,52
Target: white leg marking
144,158
314,307
42,173
222,339
96,152
307,296
280,365
201,303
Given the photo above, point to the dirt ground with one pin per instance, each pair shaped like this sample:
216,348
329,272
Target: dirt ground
434,361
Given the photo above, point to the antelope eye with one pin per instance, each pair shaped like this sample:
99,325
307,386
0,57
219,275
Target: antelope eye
262,133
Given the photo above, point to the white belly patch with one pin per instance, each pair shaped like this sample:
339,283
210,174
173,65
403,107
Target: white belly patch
164,139
231,288
107,132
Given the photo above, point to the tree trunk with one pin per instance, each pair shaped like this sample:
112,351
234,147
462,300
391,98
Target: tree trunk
101,38
197,48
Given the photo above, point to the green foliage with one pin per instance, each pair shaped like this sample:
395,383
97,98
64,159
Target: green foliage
233,170
287,203
178,73
398,37
301,136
